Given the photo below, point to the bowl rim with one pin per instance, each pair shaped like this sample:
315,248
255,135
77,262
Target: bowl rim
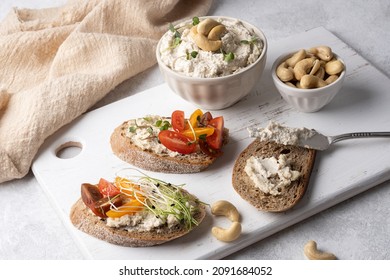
303,91
262,56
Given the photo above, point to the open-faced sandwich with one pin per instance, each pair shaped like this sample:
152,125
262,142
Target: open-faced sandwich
273,177
137,212
171,144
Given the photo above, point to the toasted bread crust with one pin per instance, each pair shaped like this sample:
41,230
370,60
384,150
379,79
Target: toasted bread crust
124,149
302,160
85,221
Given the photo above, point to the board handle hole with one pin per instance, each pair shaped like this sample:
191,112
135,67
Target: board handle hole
69,150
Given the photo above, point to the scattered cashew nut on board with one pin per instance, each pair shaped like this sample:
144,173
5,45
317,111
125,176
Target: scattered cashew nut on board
225,208
312,253
317,62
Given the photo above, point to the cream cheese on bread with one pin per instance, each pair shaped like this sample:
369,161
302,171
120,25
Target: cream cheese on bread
145,221
271,175
143,132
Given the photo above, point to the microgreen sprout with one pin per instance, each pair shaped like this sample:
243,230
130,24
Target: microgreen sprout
228,56
192,54
250,41
177,36
161,198
195,21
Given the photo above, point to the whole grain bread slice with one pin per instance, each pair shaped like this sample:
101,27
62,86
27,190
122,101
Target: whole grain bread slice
301,159
127,151
83,219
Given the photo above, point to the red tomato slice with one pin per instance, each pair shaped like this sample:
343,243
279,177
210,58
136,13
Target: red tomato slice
107,189
215,140
178,122
176,142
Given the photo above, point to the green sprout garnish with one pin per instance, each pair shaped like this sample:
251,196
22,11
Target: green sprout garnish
249,42
158,123
192,54
163,199
228,56
149,130
165,125
177,36
195,21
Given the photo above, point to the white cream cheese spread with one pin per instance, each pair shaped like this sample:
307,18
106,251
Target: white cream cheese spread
143,221
143,132
237,40
270,175
281,134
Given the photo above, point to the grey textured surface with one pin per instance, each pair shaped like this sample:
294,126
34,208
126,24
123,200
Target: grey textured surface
355,229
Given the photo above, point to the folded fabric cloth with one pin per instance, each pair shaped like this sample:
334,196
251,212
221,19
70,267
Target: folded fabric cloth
58,62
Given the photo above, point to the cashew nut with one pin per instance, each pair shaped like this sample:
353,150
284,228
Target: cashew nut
284,73
316,67
206,25
227,235
334,67
216,32
303,67
225,208
193,31
331,79
323,52
298,56
207,45
312,253
290,84
320,73
311,81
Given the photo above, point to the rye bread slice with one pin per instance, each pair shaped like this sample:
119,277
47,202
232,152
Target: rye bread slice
82,218
302,160
124,149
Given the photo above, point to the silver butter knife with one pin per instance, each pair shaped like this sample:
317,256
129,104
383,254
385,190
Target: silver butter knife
322,142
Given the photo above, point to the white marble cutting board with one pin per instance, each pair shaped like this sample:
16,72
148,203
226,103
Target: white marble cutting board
339,173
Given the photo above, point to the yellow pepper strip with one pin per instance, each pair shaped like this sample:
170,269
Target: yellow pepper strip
194,117
126,186
129,208
207,131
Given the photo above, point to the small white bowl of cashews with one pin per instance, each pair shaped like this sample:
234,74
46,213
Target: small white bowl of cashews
308,79
212,61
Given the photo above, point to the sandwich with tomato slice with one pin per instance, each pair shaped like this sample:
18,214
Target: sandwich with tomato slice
174,144
136,211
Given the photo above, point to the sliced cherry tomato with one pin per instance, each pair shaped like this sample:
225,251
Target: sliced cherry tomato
107,189
195,117
204,147
178,122
176,142
215,141
205,118
206,131
95,201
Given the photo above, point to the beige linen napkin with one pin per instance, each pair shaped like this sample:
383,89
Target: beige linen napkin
58,62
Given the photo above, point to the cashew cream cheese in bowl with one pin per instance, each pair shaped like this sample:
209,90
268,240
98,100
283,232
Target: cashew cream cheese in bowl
240,48
212,69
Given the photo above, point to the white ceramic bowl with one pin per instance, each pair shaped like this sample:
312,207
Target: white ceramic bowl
307,100
219,92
